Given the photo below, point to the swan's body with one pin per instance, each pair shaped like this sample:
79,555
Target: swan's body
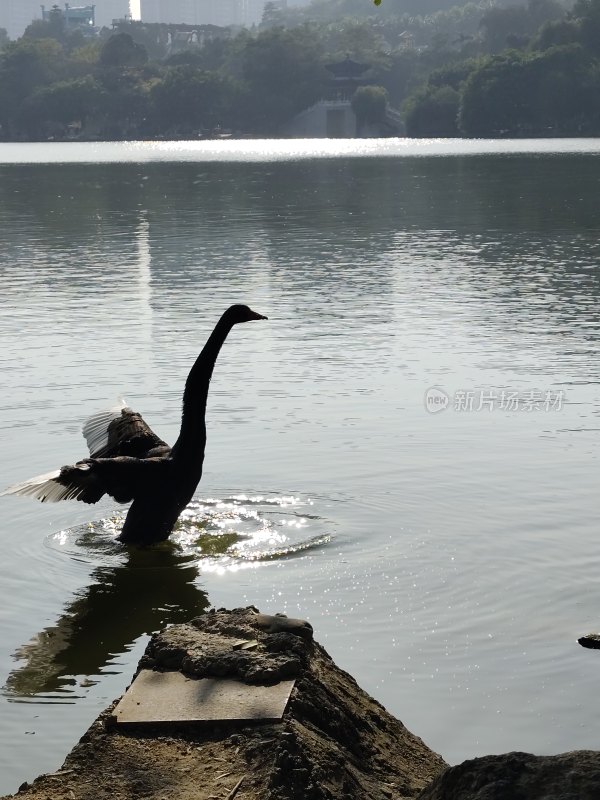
129,462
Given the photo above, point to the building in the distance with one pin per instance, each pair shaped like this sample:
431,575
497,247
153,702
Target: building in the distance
80,18
16,15
333,116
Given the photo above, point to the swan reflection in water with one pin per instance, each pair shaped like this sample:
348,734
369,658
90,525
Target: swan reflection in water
152,588
136,591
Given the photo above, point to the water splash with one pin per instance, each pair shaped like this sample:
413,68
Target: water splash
218,534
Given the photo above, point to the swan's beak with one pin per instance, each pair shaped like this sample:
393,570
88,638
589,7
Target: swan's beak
254,315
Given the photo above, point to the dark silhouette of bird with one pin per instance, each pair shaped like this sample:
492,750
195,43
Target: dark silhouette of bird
129,462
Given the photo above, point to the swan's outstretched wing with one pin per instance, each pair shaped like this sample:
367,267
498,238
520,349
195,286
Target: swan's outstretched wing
119,431
49,487
122,478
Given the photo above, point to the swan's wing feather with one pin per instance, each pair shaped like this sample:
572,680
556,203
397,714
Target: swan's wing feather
125,478
122,478
95,428
120,431
68,483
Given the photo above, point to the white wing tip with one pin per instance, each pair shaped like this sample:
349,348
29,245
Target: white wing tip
41,487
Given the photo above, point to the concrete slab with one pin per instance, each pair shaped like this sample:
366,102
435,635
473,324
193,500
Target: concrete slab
163,697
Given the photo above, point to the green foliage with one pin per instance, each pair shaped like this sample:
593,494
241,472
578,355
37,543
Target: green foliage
369,103
453,74
273,16
24,66
558,32
61,103
52,28
446,61
514,25
127,108
87,56
121,51
432,111
154,38
283,73
516,94
548,86
587,12
189,98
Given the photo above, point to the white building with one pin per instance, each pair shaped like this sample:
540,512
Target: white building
16,15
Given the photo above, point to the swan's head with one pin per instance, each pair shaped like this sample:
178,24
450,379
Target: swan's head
239,313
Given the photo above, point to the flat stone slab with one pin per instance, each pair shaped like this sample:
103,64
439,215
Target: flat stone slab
163,697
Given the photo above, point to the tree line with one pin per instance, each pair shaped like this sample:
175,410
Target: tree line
478,68
541,78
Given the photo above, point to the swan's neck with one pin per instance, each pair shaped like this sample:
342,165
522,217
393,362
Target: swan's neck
192,436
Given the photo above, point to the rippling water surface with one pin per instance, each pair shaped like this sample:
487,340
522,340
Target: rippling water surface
449,560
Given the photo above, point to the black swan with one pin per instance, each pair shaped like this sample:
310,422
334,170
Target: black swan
129,462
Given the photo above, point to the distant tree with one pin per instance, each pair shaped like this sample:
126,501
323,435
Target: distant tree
494,99
4,40
514,25
369,103
516,94
62,103
359,40
587,14
283,73
558,32
127,107
87,56
26,65
51,28
398,77
212,56
432,111
153,36
188,98
541,11
453,74
273,16
121,51
500,24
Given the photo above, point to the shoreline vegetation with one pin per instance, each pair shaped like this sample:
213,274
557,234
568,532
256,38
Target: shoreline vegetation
476,69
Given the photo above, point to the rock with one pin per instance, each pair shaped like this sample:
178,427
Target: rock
212,646
592,640
520,776
334,741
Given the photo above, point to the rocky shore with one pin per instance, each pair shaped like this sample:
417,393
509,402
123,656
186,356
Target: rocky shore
332,741
238,704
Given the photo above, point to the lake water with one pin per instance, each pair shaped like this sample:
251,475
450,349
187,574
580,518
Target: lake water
448,560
